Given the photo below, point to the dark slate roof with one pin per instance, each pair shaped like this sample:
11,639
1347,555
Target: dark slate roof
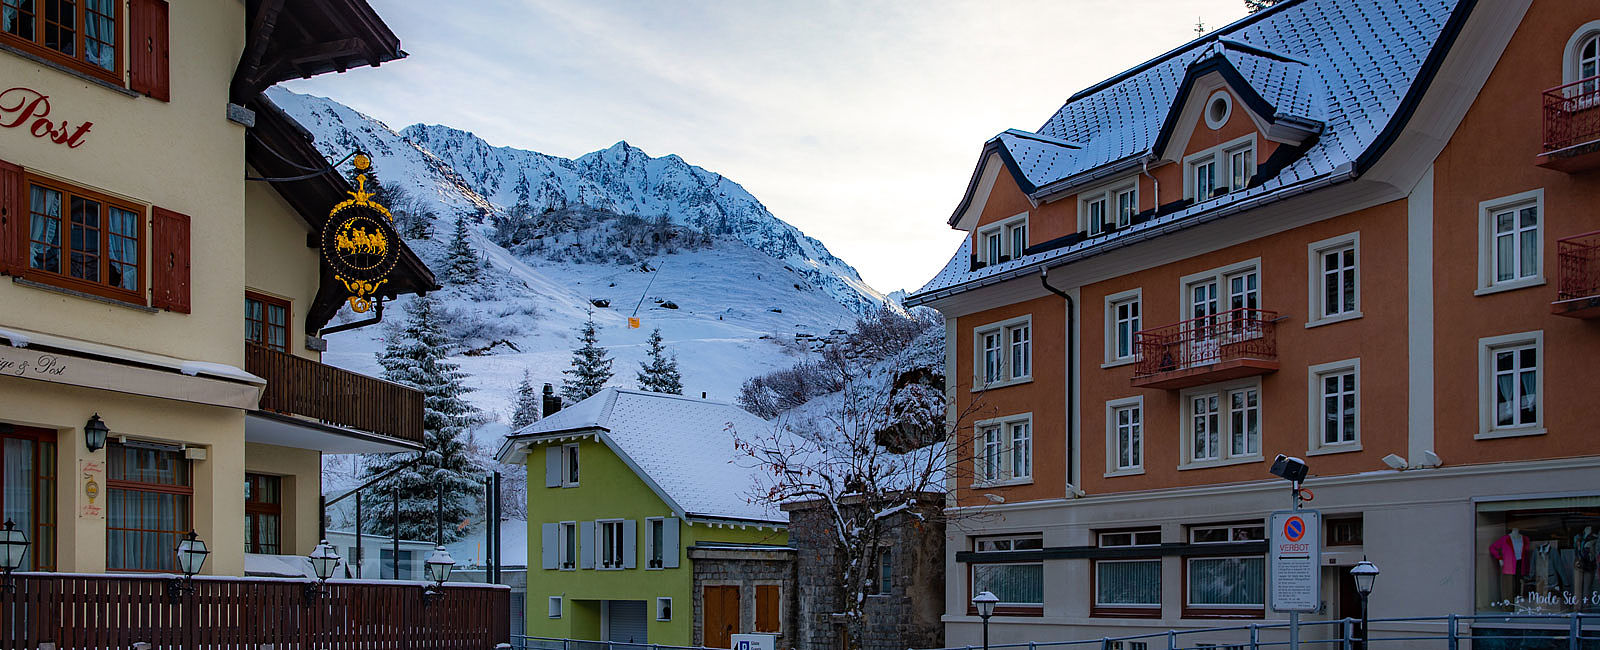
1343,65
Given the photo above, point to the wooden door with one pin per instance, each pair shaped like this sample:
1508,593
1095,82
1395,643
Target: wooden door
721,619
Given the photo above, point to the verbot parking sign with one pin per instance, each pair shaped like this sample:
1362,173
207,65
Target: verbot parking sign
1295,560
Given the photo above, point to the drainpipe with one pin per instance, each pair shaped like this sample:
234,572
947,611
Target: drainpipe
1155,183
1072,368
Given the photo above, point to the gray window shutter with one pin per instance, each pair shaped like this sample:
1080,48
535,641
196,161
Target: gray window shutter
630,543
586,542
669,543
552,466
550,541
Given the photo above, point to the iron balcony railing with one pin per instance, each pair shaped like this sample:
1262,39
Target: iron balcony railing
1569,115
1563,631
1578,266
1226,336
300,386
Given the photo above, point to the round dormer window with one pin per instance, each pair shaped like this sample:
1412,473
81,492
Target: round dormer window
1218,107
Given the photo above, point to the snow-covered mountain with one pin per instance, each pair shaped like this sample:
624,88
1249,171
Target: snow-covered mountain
729,304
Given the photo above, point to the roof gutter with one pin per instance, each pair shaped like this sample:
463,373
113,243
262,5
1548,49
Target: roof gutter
1345,172
1070,183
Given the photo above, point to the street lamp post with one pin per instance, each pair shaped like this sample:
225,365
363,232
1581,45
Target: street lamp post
192,554
13,546
1364,573
985,602
324,561
438,565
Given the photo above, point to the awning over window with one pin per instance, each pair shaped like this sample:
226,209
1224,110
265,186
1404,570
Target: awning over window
58,359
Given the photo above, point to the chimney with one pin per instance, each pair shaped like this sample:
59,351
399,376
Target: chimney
551,402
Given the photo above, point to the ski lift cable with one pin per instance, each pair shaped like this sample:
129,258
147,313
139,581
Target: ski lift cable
647,286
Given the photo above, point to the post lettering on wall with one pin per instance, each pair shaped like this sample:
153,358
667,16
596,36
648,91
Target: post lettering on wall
29,109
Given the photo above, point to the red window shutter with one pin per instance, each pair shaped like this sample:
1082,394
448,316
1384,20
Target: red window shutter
13,219
147,31
169,273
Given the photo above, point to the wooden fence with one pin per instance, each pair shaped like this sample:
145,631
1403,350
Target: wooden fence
115,612
334,395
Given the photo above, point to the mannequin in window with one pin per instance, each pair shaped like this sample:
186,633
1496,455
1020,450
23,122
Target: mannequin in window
1585,562
1514,558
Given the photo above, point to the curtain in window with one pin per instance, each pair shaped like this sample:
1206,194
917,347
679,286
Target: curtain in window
123,247
1133,582
1013,584
100,33
1227,581
45,232
19,484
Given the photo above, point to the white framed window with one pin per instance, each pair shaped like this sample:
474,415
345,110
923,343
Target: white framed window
1227,583
1227,167
1004,450
1109,206
555,607
1125,436
1334,405
1003,241
1511,242
1581,60
1334,270
1221,424
1123,320
1211,292
885,585
1511,385
1004,353
611,543
1128,586
1016,584
569,463
664,608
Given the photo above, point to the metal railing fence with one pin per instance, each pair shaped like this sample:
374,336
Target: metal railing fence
1479,632
526,642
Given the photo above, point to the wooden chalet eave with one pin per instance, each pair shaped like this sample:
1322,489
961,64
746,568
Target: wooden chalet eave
293,39
275,134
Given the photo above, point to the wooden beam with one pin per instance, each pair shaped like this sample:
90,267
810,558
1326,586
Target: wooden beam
259,35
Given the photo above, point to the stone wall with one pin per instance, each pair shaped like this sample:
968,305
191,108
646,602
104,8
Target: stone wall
745,567
906,617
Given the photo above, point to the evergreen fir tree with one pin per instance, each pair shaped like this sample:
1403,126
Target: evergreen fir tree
526,410
461,263
591,367
415,356
659,372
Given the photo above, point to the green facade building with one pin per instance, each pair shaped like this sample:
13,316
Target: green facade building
632,498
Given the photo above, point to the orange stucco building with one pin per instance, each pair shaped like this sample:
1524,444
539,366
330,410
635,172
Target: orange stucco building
1359,233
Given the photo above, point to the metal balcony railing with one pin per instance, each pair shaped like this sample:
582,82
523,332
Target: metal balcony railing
1569,115
1578,266
1190,346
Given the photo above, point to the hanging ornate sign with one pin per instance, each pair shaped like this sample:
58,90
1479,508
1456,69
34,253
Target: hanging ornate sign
359,243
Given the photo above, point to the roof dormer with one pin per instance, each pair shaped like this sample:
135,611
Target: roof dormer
1232,88
1032,160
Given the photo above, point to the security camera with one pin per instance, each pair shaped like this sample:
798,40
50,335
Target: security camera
1289,468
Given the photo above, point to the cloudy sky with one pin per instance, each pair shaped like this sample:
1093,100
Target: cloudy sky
859,121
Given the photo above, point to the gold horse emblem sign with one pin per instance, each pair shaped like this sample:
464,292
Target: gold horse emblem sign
359,243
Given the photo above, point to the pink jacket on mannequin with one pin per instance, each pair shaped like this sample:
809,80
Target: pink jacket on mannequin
1505,553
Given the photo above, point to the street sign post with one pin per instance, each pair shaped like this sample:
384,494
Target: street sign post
1295,561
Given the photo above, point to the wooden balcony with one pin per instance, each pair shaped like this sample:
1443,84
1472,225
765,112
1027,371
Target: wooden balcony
116,611
1578,276
1229,345
335,396
1572,127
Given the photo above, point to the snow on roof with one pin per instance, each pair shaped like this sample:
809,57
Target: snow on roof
682,447
1346,64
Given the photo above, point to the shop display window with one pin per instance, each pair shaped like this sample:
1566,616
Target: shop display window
1539,556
